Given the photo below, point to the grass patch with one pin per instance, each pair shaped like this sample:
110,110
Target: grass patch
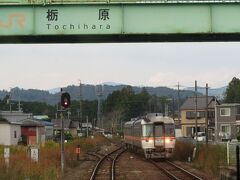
48,166
208,158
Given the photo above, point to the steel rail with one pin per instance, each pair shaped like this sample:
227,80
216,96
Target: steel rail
164,171
185,171
114,163
171,175
100,162
93,154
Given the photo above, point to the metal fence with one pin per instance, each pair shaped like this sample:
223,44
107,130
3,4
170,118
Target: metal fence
230,152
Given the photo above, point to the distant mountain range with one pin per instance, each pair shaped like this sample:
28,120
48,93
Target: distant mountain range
89,92
218,92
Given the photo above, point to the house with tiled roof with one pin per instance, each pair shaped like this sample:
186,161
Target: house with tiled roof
188,121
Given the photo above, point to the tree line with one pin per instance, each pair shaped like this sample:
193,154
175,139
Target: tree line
119,106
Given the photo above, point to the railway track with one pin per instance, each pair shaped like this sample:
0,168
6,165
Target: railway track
174,171
105,167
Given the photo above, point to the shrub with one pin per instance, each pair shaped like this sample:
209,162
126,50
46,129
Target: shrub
183,150
210,158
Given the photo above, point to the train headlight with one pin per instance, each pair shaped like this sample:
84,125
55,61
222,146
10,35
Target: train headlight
167,140
150,141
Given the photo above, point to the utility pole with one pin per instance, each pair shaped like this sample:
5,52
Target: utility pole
68,113
80,105
178,104
166,106
173,113
87,126
19,106
206,115
196,124
19,102
10,100
215,118
99,93
62,136
57,112
178,101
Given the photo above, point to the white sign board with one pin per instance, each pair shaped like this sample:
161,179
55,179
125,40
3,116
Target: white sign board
34,154
6,152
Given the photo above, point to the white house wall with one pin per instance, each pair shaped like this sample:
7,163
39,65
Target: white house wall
5,134
17,128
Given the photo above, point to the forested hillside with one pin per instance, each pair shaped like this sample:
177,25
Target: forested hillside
88,91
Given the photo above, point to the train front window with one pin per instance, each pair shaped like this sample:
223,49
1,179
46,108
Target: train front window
158,130
169,130
148,130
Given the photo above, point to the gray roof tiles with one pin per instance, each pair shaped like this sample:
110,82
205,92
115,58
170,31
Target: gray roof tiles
189,104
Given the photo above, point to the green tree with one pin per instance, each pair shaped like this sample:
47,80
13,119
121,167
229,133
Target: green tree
126,103
89,108
232,94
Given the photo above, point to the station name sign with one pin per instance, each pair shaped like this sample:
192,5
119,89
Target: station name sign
53,16
60,20
119,19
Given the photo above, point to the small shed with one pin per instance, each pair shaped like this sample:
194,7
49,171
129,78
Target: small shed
33,132
45,120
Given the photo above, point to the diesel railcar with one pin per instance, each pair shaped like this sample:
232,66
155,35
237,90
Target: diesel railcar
154,134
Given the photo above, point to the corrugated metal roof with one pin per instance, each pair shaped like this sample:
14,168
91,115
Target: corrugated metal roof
31,122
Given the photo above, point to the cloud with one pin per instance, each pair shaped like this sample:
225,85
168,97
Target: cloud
163,79
214,78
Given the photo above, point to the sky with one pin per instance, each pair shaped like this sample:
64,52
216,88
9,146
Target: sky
47,66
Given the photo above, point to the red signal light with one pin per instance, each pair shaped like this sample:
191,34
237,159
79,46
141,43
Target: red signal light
65,100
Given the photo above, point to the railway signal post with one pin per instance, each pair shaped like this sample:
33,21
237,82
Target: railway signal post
65,103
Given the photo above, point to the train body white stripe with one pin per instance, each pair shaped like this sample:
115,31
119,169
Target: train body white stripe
153,134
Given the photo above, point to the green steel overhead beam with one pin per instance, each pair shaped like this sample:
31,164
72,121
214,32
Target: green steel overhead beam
128,21
58,2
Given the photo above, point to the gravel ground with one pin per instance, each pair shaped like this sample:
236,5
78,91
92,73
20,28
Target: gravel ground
193,170
129,167
85,168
